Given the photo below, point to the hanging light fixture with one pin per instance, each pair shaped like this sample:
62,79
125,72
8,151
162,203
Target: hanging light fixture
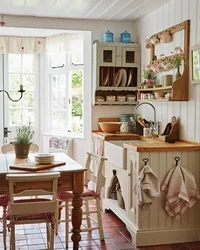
21,91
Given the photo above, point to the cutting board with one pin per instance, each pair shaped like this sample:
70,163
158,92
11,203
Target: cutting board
117,136
32,166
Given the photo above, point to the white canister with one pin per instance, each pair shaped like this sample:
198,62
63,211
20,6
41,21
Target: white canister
124,127
146,132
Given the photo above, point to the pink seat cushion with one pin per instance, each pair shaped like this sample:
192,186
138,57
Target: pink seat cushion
66,195
4,199
37,216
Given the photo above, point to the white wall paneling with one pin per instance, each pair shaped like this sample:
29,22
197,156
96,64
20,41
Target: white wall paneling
166,16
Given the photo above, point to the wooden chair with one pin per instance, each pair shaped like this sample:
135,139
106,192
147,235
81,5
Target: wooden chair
4,200
29,211
9,148
96,177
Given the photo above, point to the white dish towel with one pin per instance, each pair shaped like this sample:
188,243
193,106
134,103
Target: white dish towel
147,187
182,192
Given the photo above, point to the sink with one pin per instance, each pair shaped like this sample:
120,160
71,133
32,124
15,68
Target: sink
117,154
121,143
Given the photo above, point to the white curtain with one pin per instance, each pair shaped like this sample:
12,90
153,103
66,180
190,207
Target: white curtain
64,42
19,45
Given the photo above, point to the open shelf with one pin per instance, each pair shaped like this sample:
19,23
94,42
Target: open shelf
115,103
156,89
179,88
117,88
155,100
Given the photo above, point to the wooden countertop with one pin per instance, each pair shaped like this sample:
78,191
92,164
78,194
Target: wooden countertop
154,145
115,136
151,145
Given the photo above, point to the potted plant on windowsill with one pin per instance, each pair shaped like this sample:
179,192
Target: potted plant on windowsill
23,140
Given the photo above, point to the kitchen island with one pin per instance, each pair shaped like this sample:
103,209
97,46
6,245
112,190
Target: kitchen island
153,226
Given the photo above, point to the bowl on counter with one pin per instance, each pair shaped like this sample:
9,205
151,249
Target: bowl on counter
110,127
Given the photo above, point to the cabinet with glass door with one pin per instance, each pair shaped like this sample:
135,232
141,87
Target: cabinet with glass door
116,68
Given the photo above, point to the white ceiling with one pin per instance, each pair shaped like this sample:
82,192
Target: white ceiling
121,10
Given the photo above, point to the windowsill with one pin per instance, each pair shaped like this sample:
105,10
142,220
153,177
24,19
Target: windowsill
64,135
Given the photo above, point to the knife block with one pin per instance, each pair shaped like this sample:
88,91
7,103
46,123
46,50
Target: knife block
139,128
170,133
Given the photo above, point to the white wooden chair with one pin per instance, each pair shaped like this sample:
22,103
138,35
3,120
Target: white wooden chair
4,199
9,148
29,211
94,175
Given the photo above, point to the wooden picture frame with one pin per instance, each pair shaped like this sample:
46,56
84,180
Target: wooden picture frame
195,64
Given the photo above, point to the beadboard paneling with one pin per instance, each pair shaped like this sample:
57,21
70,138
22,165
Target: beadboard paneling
156,217
170,14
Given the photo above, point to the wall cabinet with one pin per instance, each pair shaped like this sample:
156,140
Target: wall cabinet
153,226
116,71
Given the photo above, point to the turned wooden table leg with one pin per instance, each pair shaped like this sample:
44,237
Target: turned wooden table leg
77,210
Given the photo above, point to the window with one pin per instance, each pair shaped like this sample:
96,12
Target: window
65,80
21,70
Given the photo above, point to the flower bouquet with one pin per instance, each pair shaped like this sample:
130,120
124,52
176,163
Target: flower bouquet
149,78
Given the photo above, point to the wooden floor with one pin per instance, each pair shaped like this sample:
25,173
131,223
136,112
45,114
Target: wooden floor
33,237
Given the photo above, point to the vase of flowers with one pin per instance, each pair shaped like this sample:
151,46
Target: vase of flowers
177,59
149,78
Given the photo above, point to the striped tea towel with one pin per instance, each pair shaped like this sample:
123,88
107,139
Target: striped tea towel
182,192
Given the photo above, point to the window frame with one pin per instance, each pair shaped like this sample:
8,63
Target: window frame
66,70
6,108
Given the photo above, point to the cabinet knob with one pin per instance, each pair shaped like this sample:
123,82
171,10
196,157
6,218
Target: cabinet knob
129,174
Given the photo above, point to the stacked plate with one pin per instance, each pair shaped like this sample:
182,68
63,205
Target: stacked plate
44,158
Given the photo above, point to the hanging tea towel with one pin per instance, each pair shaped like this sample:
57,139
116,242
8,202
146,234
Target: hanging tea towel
147,187
182,192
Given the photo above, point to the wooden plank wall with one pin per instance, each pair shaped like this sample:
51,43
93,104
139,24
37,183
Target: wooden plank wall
170,14
156,217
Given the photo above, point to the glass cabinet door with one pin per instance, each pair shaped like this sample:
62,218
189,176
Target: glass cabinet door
107,56
130,57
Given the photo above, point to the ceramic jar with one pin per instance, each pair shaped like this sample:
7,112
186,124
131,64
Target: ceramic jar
146,132
124,127
125,37
108,37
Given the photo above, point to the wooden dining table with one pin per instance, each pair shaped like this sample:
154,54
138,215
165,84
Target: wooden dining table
71,179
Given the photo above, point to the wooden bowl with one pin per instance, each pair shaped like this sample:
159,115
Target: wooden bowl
110,127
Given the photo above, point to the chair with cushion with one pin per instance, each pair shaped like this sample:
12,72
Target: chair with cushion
9,148
94,177
23,210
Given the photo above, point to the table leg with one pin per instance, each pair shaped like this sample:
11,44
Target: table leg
77,210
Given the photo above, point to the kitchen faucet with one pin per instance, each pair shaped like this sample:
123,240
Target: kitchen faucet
154,125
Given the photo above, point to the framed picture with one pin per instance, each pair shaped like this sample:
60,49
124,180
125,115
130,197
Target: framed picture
195,64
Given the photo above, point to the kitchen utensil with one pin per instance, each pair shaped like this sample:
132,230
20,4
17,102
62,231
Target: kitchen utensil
140,121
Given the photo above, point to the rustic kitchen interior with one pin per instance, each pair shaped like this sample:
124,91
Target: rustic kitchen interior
140,106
